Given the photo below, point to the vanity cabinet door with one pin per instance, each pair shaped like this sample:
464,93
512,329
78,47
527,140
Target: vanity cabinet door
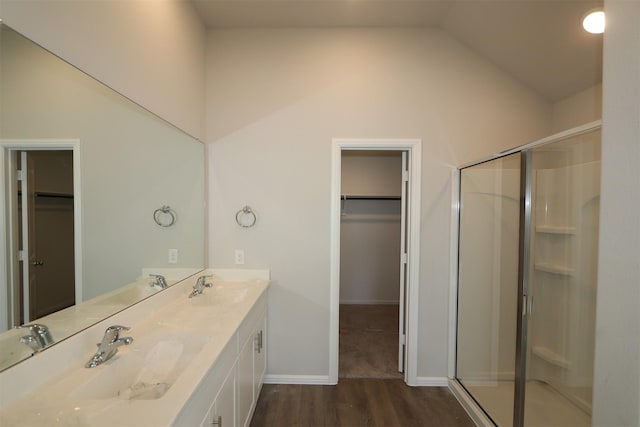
251,370
223,410
245,383
207,419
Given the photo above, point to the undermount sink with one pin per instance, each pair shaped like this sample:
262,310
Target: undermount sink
142,375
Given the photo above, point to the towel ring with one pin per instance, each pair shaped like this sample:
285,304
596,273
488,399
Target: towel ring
164,216
246,217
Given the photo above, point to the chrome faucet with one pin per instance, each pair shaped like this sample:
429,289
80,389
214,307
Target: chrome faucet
200,285
109,345
39,337
160,282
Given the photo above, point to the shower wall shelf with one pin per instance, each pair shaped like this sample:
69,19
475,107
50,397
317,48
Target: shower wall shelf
555,229
554,269
550,356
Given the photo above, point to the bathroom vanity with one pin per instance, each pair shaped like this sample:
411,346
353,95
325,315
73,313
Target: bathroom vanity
196,361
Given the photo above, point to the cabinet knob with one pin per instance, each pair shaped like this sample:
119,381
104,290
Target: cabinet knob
217,422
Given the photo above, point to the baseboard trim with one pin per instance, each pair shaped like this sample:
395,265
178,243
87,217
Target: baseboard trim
298,379
324,380
430,382
470,406
490,377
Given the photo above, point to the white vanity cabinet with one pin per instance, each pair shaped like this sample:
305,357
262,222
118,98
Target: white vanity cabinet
228,394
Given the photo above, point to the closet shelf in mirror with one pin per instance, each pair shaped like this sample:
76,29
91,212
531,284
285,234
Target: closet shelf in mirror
555,229
554,269
54,195
50,194
368,197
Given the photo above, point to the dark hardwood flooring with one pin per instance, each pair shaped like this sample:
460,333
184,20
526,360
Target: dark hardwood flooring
358,402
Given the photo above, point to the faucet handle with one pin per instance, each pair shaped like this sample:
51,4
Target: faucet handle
160,281
31,341
117,328
39,336
112,333
202,280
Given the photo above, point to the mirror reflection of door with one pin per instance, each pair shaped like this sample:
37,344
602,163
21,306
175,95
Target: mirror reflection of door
45,202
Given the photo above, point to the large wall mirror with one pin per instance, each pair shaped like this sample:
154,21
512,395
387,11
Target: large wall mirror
97,194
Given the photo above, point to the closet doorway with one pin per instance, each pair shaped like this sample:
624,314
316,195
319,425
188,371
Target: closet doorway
45,226
374,259
371,267
40,191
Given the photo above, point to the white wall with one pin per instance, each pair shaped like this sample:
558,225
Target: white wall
150,51
276,98
371,173
616,400
578,109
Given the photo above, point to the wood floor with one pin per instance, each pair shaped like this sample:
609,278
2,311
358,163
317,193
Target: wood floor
370,391
358,402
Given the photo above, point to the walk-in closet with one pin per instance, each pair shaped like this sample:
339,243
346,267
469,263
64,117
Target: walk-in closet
370,241
528,242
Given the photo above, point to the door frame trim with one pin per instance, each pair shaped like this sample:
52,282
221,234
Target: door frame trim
7,273
413,146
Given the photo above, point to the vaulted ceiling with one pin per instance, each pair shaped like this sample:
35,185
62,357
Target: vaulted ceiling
539,42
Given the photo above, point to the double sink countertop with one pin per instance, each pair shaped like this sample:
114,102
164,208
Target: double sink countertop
176,340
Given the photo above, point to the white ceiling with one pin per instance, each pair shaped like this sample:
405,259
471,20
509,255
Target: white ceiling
539,42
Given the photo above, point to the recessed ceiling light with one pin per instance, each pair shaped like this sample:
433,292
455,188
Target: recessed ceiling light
593,21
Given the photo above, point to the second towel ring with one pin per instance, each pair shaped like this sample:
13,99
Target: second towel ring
160,216
246,217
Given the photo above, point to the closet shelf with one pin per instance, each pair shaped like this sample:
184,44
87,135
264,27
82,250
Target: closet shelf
550,356
554,269
555,229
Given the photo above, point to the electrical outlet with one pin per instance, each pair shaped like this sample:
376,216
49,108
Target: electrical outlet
173,256
239,256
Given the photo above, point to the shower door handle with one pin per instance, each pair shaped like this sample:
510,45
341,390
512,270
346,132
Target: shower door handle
527,305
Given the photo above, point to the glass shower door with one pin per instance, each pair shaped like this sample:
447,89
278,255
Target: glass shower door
488,284
565,200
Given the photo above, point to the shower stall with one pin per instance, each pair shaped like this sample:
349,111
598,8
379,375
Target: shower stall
528,239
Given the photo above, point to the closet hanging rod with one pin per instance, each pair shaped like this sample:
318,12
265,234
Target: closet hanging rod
367,197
